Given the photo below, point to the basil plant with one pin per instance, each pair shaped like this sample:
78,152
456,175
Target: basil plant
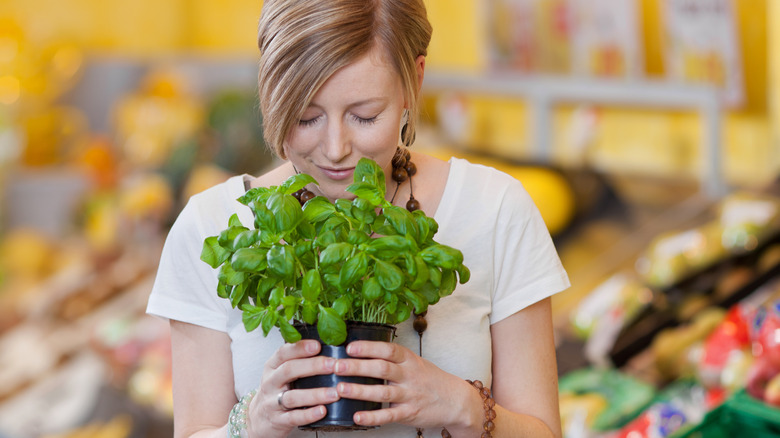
324,263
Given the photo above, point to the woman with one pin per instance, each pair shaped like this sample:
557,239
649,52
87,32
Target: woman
338,81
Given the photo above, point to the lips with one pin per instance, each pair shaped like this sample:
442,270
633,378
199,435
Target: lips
337,174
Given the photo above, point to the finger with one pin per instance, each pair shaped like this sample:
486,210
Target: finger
295,369
300,398
300,417
300,349
378,350
374,393
380,416
376,368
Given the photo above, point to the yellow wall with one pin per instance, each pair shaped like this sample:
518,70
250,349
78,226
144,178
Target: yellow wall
645,141
623,139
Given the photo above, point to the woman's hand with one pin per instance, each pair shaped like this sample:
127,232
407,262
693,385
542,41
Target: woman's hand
418,392
270,415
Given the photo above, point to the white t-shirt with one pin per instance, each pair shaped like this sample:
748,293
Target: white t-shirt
485,213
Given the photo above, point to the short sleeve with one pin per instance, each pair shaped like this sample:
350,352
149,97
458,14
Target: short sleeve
526,267
185,288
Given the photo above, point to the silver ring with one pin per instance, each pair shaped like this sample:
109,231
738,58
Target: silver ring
280,401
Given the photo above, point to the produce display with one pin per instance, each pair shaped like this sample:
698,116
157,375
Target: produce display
696,321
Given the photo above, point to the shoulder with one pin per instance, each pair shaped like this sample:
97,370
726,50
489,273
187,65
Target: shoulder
482,183
273,177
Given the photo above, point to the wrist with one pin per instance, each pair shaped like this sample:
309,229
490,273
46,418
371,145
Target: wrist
475,418
237,426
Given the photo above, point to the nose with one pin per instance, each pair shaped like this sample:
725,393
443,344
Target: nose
337,143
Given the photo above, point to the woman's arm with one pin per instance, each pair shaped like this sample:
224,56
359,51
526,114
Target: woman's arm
203,393
202,381
525,375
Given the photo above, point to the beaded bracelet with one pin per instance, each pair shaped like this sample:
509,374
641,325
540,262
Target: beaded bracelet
237,420
490,414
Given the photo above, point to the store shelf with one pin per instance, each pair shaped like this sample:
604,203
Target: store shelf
545,92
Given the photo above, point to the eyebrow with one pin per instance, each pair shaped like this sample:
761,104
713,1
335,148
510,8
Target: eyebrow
368,101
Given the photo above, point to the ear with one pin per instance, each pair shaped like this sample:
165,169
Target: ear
420,65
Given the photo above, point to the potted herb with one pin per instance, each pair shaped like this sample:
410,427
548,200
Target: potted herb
329,265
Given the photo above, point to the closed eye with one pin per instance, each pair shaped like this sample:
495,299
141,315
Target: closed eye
308,122
365,121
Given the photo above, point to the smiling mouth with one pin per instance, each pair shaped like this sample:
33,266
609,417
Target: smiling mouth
337,174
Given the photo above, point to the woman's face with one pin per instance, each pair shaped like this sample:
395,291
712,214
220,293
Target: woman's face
356,113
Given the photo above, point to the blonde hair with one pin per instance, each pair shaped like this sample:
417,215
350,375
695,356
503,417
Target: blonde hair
303,42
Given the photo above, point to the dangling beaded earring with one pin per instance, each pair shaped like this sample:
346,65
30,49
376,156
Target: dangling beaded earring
404,169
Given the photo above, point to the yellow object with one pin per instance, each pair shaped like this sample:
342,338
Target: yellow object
550,191
146,197
27,253
586,406
203,177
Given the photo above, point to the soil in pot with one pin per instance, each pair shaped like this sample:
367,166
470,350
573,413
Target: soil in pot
341,412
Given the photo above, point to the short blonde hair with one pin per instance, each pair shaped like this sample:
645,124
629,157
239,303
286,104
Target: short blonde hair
303,42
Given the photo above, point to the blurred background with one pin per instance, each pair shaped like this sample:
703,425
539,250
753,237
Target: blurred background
647,132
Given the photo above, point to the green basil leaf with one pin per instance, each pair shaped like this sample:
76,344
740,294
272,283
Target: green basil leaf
417,301
296,182
212,253
372,290
249,260
344,207
254,194
331,327
335,253
325,239
430,293
442,256
334,223
363,205
228,236
357,237
464,274
389,244
353,269
281,260
235,222
391,302
423,225
287,211
238,294
342,305
276,296
318,209
222,290
312,285
448,282
307,230
264,289
268,321
246,239
289,333
309,312
422,275
402,220
369,171
229,276
332,280
264,219
251,316
434,275
367,191
402,313
290,305
389,275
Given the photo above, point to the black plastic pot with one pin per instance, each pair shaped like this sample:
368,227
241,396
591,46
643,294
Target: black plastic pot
340,413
